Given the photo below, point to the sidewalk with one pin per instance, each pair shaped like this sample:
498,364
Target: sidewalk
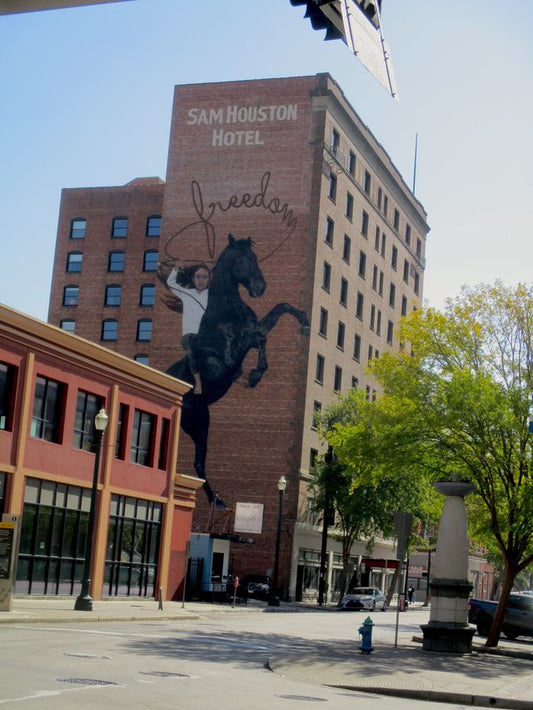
497,678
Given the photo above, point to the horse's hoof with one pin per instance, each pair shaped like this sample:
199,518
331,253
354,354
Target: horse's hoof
254,377
306,330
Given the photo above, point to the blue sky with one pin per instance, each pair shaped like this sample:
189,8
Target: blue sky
87,95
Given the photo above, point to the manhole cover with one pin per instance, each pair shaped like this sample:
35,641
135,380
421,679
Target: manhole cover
85,681
165,674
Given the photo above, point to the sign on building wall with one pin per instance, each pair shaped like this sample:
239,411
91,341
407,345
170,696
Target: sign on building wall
248,518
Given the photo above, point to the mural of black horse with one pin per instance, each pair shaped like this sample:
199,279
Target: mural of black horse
229,329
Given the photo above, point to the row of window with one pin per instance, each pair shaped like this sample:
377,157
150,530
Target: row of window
109,331
375,325
115,263
48,419
112,296
119,227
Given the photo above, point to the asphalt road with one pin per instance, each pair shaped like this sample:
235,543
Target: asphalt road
212,663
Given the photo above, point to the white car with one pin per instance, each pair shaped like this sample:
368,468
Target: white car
369,598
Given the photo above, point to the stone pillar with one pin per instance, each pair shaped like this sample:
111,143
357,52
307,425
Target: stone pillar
448,628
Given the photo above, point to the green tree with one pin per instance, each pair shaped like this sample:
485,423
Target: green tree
468,384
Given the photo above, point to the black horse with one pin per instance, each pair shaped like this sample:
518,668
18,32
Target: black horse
228,331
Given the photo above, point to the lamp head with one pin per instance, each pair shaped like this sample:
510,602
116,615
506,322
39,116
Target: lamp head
100,420
282,484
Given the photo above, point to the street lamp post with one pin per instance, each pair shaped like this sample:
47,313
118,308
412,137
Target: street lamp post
84,601
273,599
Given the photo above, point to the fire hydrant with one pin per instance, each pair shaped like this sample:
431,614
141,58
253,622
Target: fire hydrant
365,631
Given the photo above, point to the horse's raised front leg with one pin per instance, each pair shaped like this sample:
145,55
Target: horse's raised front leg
264,327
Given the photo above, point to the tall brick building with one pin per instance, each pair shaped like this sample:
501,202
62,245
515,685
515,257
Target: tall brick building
337,234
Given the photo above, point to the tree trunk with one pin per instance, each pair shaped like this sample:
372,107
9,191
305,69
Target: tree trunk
393,584
507,586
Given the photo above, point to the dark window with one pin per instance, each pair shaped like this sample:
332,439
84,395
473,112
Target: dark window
323,324
116,261
330,228
120,442
408,234
344,292
47,406
349,206
375,278
380,198
417,284
357,347
370,353
340,335
392,295
147,295
404,306
163,444
144,330
313,455
8,375
70,295
337,380
326,276
119,230
150,260
335,139
383,244
368,182
394,258
153,226
87,407
418,247
74,262
380,289
355,382
346,248
112,295
396,219
372,316
143,359
385,205
319,372
364,225
359,306
109,329
332,187
141,438
68,325
351,163
362,264
378,323
405,270
78,228
377,239
390,332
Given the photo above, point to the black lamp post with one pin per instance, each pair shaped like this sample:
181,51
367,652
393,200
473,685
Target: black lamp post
84,602
273,599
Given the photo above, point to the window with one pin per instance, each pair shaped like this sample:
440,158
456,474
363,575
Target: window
143,359
418,247
357,347
335,139
383,244
404,306
319,370
332,187
147,295
313,455
87,407
375,278
406,271
385,205
372,317
364,224
74,262
367,182
392,295
47,406
68,325
344,292
337,380
355,382
390,332
119,230
351,163
349,206
323,324
380,289
144,330
8,375
408,234
370,354
380,198
112,295
362,264
377,239
163,444
150,260
417,284
120,442
330,228
70,295
394,258
346,248
317,408
326,276
340,335
378,323
359,306
396,219
116,261
109,329
78,228
141,438
153,226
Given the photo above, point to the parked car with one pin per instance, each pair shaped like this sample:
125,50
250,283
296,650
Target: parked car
517,621
370,598
251,586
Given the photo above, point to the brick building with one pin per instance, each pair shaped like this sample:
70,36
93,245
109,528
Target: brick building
52,384
337,234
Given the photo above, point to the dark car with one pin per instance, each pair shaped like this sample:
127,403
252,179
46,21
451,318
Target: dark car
252,586
517,621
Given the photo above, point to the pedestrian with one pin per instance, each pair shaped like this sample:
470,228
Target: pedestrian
410,593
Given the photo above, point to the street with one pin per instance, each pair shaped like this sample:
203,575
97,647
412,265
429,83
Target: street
213,662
